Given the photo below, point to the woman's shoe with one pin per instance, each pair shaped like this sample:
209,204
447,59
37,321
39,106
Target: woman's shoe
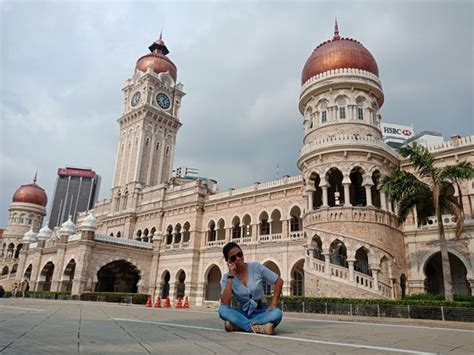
229,327
266,328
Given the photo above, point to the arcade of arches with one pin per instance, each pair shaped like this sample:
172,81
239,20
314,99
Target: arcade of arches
434,275
118,276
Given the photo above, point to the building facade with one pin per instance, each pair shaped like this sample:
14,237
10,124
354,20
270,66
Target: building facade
328,231
76,190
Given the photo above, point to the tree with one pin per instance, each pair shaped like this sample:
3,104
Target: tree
429,190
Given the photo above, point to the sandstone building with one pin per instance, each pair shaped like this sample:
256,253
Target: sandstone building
329,231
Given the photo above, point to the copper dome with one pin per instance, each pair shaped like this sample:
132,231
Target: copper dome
31,193
336,54
157,60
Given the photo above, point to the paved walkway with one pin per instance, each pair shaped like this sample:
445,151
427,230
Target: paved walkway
29,326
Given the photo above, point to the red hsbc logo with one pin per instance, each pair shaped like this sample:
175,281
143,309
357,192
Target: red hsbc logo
397,131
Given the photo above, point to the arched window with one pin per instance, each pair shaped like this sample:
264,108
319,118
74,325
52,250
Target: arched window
323,112
264,225
236,229
276,226
335,190
177,234
318,191
357,191
186,232
119,235
169,235
362,262
360,110
317,246
338,253
341,104
296,224
211,233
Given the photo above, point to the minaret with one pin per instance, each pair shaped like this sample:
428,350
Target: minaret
343,156
149,124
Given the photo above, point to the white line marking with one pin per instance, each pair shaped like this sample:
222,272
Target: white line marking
24,308
380,324
349,345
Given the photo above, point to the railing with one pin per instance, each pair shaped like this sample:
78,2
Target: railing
216,243
339,272
346,140
119,241
270,237
260,186
296,235
351,214
74,237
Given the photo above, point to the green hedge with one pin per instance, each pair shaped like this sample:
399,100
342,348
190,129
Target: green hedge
438,297
118,297
467,301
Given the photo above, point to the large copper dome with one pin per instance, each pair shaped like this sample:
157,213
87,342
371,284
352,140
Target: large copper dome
157,60
336,54
31,193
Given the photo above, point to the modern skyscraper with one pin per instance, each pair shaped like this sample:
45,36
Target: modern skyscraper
76,190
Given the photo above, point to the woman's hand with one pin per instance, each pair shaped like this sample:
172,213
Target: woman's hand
232,268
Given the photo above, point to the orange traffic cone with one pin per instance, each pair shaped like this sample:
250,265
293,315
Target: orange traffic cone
148,302
158,302
167,302
186,302
179,304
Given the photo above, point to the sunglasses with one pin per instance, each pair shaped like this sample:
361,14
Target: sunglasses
234,257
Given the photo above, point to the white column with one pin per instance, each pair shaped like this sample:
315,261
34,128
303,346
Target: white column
383,200
350,262
150,161
325,195
375,275
310,192
327,261
368,194
162,158
138,165
347,196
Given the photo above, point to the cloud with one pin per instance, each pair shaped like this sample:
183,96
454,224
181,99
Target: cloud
63,66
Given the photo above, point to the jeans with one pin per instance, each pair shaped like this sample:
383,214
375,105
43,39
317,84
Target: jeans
242,320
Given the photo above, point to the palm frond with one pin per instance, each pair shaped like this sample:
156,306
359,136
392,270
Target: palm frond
422,202
421,158
401,183
454,173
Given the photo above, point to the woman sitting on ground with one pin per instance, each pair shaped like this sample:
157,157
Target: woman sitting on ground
244,282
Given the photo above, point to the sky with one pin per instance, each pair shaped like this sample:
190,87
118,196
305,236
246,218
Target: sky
63,65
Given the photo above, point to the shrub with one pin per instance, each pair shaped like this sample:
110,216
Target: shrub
118,297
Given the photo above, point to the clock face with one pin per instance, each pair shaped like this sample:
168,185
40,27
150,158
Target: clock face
163,100
136,98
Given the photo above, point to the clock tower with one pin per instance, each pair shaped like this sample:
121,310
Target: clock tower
149,124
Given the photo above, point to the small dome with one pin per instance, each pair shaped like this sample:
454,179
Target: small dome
45,233
90,222
31,193
157,60
68,227
30,236
339,53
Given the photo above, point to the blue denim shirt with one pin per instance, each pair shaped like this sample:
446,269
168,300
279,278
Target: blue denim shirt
247,297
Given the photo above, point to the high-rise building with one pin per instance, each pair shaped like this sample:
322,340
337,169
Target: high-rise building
395,135
76,190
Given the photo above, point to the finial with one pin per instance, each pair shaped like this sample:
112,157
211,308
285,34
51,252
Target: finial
161,33
336,31
35,178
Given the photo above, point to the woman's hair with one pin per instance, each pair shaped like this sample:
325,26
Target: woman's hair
228,247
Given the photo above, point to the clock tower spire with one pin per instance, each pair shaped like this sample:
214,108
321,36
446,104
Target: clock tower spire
149,124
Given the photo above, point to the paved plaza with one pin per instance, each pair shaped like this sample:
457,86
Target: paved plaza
66,327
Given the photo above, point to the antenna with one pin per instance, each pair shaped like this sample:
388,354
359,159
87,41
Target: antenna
278,170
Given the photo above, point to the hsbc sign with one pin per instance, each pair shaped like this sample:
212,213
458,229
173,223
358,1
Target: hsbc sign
397,131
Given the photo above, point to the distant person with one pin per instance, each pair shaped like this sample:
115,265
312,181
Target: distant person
25,288
244,282
2,291
14,289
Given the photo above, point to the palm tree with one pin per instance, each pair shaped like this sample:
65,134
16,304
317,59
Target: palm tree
429,189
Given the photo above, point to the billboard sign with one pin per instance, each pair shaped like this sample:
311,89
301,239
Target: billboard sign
391,130
76,172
